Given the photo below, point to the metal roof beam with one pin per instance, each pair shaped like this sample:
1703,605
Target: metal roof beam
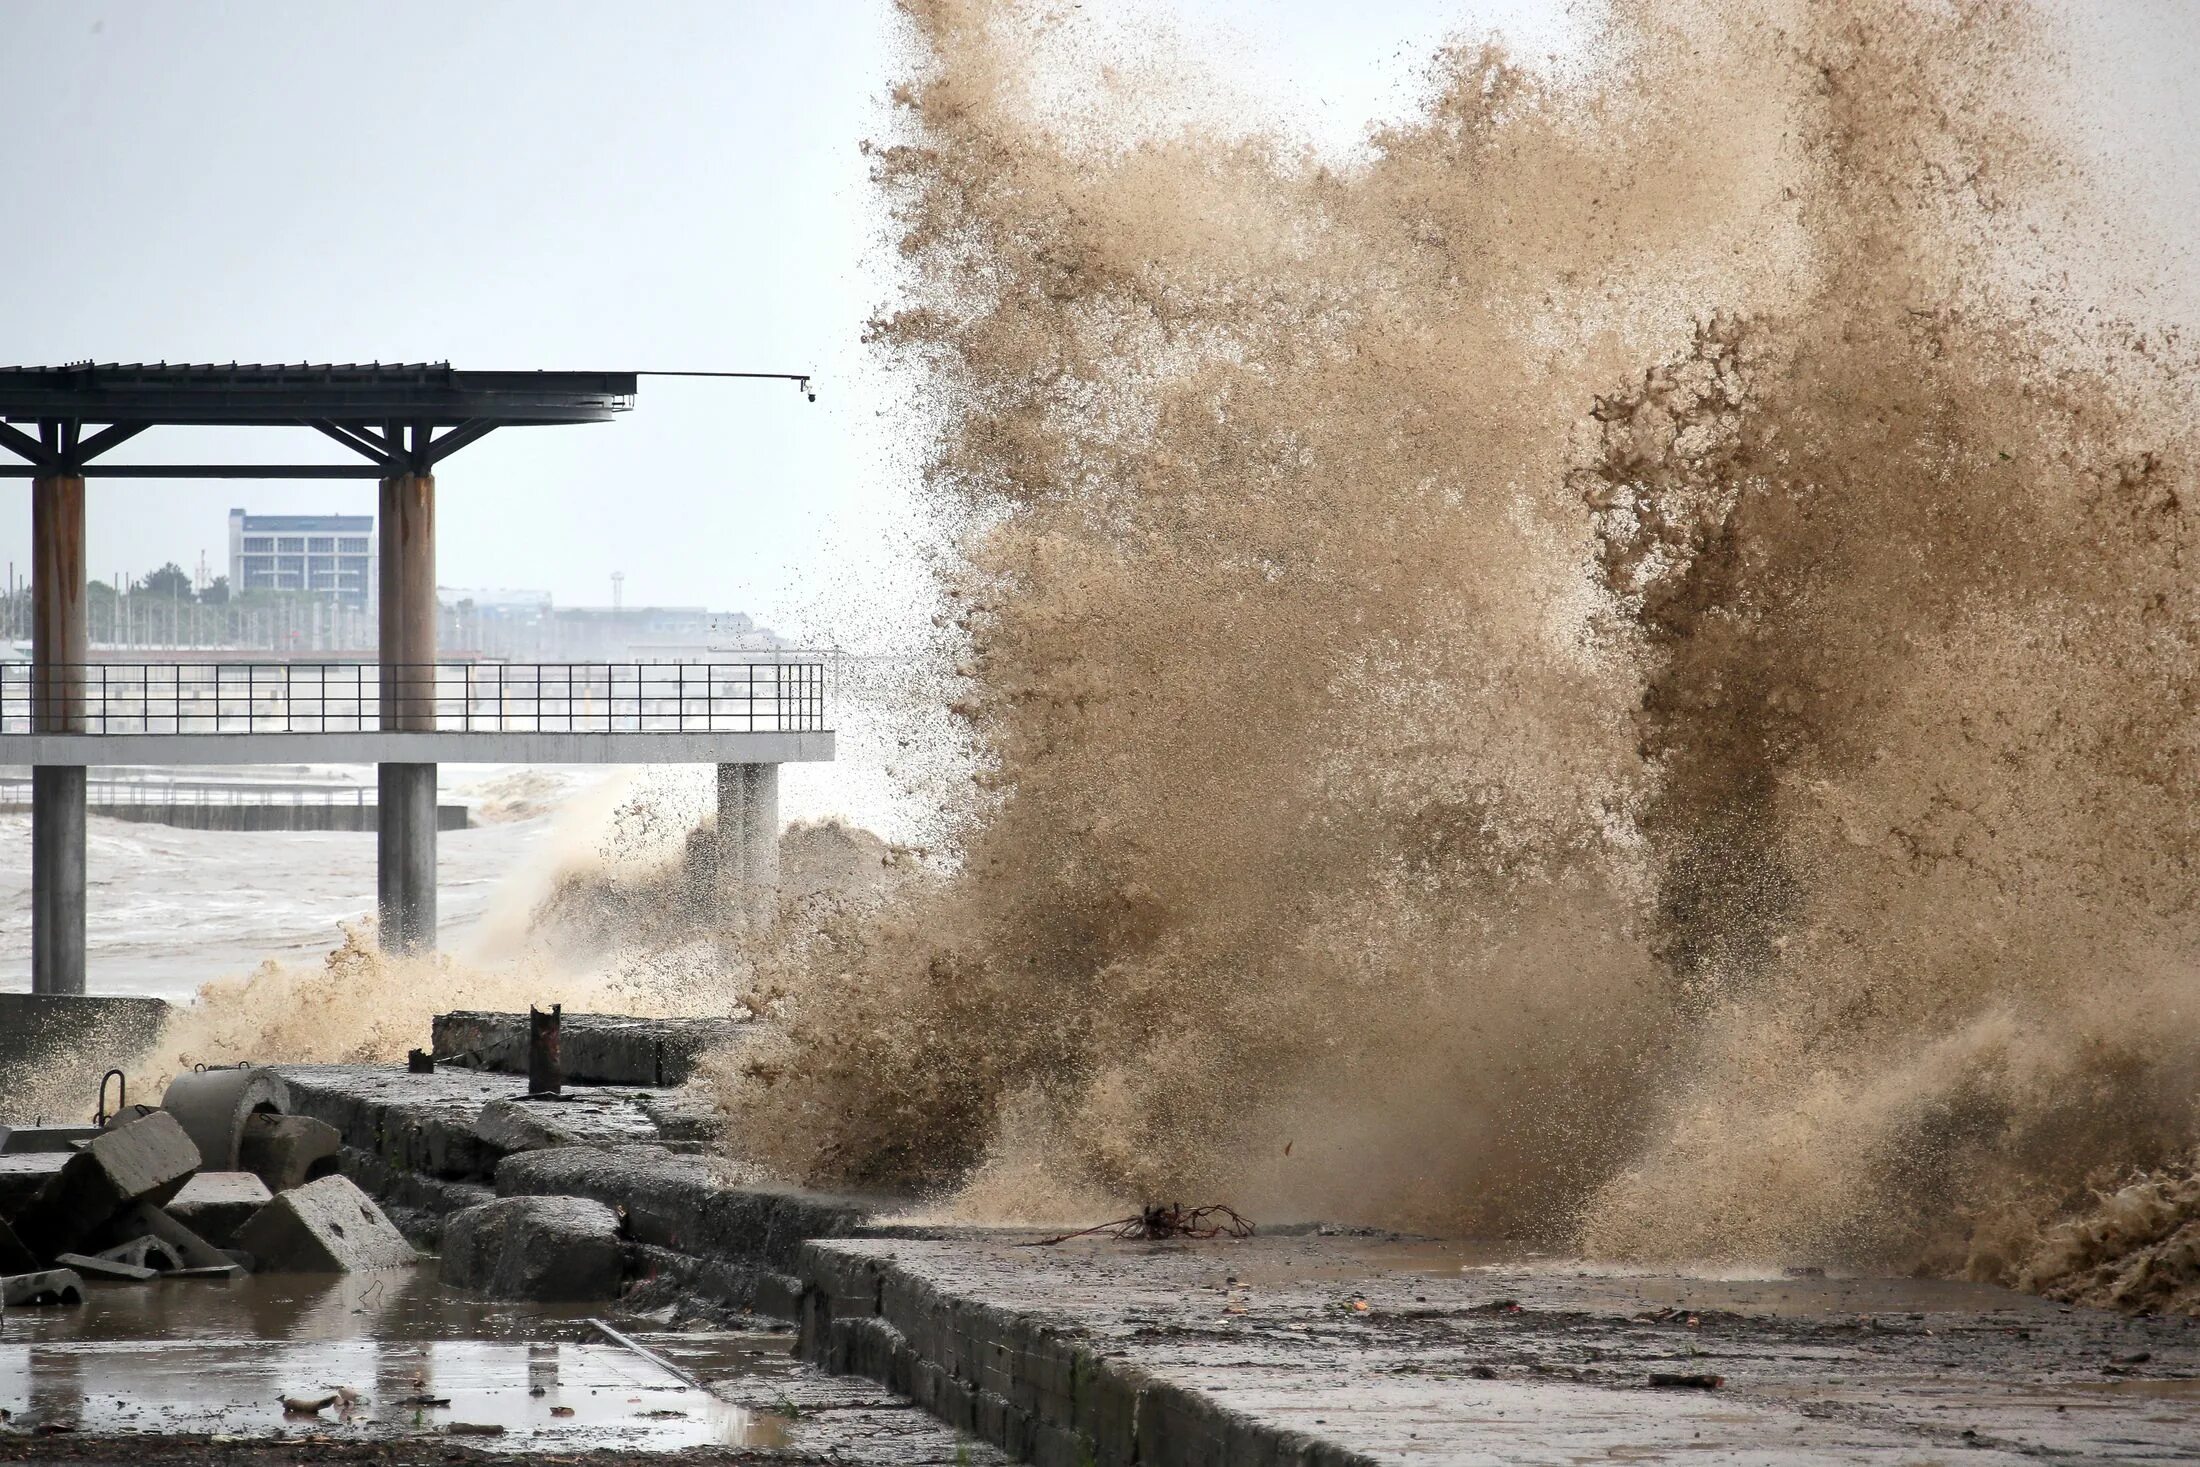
25,446
358,440
469,432
106,438
199,471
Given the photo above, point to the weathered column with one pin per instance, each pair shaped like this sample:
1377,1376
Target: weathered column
748,835
60,646
405,848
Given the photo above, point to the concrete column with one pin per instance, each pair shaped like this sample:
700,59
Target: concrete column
748,834
60,646
405,847
405,858
408,601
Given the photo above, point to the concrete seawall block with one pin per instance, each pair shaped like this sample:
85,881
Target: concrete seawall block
536,1248
595,1049
146,1160
215,1204
328,1226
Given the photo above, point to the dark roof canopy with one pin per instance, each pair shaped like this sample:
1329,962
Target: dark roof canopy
250,396
388,414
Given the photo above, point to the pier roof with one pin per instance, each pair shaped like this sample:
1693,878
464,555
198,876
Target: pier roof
386,413
260,394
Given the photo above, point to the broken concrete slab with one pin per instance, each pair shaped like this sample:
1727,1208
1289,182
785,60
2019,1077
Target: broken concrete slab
190,1250
215,1204
287,1151
521,1125
114,1269
146,1160
49,1286
326,1226
537,1248
593,1049
144,1251
675,1201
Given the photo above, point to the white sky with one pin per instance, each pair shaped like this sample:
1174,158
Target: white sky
655,184
516,185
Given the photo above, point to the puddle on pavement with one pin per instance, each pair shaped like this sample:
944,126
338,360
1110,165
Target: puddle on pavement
199,1356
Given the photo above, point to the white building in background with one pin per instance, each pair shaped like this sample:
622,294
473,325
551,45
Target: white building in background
330,555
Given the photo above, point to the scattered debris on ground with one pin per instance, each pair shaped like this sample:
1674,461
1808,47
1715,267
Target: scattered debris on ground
1171,1220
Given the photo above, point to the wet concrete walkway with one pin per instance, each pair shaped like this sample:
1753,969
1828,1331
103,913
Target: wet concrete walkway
1357,1349
1305,1350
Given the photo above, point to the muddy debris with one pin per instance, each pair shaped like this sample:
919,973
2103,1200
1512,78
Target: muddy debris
1160,1222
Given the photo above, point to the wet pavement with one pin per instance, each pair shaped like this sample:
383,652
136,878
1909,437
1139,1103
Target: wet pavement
219,1358
214,1361
1401,1351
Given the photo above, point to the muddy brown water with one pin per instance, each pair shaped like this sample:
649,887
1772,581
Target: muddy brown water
199,1356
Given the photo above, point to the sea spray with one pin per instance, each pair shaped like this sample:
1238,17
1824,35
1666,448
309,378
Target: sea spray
1619,670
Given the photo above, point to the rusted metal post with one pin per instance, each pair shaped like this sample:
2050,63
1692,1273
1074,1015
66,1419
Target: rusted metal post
545,1064
60,647
405,843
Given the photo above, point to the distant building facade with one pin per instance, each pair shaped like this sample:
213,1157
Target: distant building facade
331,555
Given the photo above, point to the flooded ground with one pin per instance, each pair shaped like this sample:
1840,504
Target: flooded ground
409,1357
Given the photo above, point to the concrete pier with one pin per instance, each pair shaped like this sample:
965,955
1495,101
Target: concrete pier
405,858
405,852
748,832
57,879
60,646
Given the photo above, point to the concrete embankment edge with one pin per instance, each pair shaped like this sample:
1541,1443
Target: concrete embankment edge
1029,1382
1026,1383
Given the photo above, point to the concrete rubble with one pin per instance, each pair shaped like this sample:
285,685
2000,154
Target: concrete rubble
325,1226
118,1203
146,1160
47,1286
1303,1346
98,1266
286,1151
215,1204
212,1106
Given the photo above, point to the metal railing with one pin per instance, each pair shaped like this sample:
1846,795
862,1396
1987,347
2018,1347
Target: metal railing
15,792
443,697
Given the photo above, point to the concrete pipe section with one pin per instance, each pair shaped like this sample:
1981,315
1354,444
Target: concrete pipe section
211,1106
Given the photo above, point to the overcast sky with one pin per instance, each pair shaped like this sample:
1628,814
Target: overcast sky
516,185
646,185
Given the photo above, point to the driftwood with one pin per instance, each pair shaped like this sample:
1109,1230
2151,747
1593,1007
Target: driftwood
1154,1224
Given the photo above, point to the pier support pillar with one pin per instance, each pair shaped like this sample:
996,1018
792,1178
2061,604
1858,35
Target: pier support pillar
60,646
405,858
405,846
748,835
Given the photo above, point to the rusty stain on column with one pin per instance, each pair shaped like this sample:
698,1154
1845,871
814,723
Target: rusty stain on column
405,849
408,602
60,646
